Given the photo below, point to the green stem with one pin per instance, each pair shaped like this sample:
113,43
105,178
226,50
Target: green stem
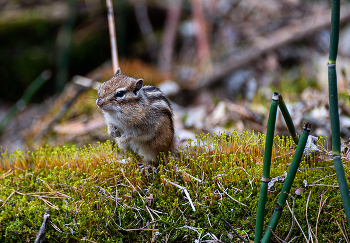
287,184
288,120
25,99
333,108
334,38
335,127
266,168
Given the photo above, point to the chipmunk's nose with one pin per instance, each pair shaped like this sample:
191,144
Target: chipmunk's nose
99,102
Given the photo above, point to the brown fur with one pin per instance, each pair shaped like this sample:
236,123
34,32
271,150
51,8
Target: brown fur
141,119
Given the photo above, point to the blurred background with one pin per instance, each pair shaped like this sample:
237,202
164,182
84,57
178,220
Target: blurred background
218,61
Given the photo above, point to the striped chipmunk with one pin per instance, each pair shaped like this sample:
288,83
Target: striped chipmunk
140,118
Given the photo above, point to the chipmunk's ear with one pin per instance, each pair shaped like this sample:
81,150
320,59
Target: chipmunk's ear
117,72
138,86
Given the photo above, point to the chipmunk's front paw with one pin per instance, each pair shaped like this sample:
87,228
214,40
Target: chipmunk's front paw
115,133
125,138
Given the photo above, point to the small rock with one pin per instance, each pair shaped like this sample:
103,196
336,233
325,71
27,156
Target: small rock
299,191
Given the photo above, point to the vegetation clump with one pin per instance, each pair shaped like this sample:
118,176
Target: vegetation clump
99,194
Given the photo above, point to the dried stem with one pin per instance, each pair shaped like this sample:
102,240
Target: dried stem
112,35
203,53
168,38
146,28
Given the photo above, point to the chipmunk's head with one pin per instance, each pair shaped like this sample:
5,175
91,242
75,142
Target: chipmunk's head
119,92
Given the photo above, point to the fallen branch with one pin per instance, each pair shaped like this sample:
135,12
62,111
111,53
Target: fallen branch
78,89
283,36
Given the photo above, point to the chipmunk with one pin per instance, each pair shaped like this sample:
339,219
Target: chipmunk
140,118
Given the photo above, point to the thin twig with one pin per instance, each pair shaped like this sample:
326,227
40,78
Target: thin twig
184,189
61,195
166,237
293,238
313,235
8,198
223,190
55,226
307,220
41,198
319,212
131,185
48,203
341,230
277,238
322,179
6,174
155,213
234,231
150,213
292,225
325,185
290,210
116,201
347,237
140,229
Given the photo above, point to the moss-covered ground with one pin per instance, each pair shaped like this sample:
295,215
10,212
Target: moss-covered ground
101,195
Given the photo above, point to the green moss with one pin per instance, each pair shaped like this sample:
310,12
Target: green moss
80,186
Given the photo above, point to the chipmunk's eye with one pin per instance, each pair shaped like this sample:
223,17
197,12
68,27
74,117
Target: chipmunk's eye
120,94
